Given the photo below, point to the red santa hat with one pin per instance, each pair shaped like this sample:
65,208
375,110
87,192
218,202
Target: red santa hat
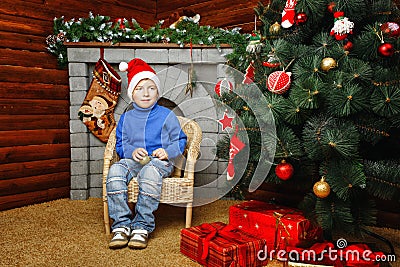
138,70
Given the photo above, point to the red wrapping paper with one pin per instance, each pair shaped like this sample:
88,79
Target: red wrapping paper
260,219
220,245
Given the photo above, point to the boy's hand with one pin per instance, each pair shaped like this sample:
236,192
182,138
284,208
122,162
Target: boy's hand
139,153
160,153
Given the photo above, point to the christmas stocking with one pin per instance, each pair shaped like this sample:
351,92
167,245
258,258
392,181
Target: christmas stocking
288,14
234,147
97,109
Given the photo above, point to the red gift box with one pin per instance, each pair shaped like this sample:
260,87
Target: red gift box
278,225
220,245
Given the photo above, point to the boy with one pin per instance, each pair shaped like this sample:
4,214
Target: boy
146,130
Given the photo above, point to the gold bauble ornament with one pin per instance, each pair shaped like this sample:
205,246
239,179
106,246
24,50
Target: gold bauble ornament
328,63
275,28
321,188
145,160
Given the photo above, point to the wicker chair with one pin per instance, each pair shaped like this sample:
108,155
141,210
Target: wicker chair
177,189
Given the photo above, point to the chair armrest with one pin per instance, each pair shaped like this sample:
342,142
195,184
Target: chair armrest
110,147
193,151
108,157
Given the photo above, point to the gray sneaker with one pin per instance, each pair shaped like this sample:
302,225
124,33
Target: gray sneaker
139,239
120,238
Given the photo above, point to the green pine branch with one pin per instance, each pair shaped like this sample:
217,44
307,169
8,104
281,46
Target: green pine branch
308,91
346,178
372,128
383,178
326,137
334,214
385,101
348,100
288,145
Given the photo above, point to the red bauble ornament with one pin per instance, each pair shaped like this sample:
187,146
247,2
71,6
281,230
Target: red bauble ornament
300,18
331,6
386,50
348,46
284,170
391,28
278,82
272,62
223,85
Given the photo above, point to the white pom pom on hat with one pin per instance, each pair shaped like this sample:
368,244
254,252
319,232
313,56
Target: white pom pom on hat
138,70
123,66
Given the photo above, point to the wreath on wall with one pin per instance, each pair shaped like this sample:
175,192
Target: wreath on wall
98,28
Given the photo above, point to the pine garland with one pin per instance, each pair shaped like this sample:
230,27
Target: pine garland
98,28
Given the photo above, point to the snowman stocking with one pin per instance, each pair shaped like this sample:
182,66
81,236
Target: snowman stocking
288,14
97,109
234,148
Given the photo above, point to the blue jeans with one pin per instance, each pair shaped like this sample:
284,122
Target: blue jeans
149,178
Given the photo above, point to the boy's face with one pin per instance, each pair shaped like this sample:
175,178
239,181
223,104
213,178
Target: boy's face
145,93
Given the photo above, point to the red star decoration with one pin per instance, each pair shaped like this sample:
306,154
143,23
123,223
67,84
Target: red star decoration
226,121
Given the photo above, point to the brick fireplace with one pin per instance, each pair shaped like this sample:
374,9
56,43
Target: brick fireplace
171,62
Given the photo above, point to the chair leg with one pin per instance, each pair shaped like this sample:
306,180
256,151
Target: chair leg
106,217
189,210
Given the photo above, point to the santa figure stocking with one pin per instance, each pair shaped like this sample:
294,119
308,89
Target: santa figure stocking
342,26
288,14
97,109
234,147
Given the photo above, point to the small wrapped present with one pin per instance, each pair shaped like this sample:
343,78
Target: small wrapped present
278,225
220,245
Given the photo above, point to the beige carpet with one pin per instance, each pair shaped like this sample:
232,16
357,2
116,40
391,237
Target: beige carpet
71,233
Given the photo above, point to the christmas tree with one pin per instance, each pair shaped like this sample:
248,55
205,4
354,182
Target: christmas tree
330,71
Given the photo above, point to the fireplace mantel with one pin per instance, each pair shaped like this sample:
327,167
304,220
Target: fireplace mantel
142,45
171,63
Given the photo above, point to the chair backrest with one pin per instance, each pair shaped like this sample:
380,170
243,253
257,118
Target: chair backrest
191,152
